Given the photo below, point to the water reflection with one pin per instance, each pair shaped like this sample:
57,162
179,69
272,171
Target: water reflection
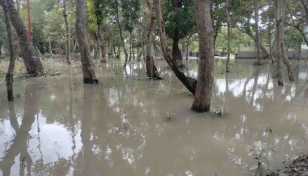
119,127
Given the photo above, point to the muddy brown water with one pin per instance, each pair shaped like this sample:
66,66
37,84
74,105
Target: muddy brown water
60,127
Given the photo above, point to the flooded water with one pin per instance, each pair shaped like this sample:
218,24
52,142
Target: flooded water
60,127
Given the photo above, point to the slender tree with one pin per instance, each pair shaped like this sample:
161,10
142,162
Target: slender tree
30,56
152,71
10,73
278,43
87,63
229,35
188,82
120,30
67,35
256,11
101,40
202,101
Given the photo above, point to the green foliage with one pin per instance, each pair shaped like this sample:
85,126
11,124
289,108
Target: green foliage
186,18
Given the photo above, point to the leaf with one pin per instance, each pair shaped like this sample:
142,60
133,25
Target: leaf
253,167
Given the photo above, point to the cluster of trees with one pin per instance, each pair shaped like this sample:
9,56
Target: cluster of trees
143,28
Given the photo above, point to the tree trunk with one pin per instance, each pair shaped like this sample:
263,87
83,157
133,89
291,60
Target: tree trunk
111,43
102,44
119,52
67,35
188,82
299,53
278,47
176,51
121,36
187,50
130,46
283,48
202,101
270,42
229,38
256,10
83,41
138,54
152,71
31,60
10,73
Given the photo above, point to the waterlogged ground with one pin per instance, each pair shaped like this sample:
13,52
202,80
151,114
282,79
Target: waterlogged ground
128,125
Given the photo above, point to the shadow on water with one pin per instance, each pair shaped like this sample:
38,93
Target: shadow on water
119,127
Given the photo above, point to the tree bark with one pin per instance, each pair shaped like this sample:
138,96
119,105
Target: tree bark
229,38
270,42
152,71
281,42
67,35
188,82
202,101
101,42
83,41
30,56
120,30
111,43
176,51
279,46
256,10
10,73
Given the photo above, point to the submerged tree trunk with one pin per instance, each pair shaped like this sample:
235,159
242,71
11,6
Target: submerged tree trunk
10,73
30,56
152,71
279,46
285,59
111,43
202,101
256,11
67,35
121,36
188,82
229,38
83,41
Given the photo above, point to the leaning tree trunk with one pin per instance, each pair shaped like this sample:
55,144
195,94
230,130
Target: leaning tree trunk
279,46
83,41
256,11
188,82
152,71
121,36
10,73
31,60
67,35
229,38
202,102
285,59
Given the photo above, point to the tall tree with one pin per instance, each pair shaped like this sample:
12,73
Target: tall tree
180,23
256,11
101,40
279,37
229,35
67,35
152,71
202,101
87,63
30,56
188,82
116,4
10,73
